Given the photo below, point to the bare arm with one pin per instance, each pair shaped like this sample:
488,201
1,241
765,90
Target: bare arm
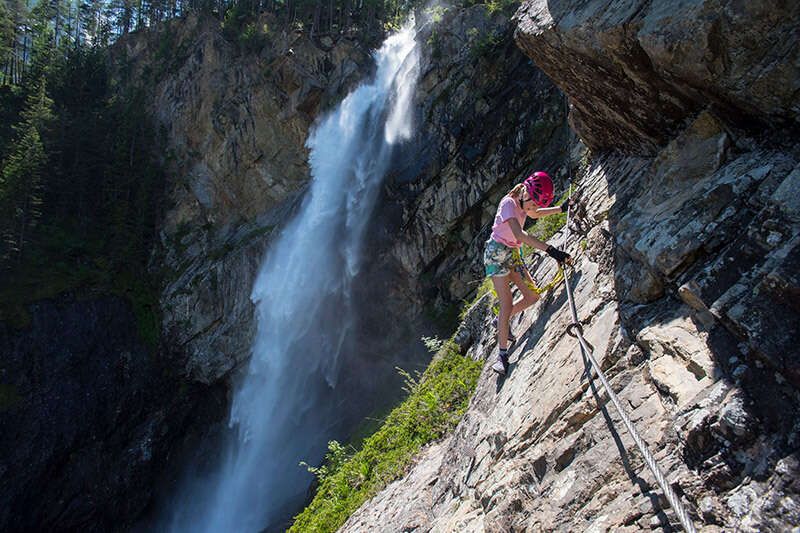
546,212
522,236
530,240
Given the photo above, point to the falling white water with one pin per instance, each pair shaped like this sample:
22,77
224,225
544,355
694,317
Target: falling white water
285,403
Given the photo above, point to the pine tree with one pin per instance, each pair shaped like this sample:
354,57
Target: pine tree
13,40
7,35
42,46
21,176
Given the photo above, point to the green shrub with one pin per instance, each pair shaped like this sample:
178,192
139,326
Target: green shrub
484,45
544,228
253,38
502,6
436,13
435,44
239,26
486,286
435,404
337,455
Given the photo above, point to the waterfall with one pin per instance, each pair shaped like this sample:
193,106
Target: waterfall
285,405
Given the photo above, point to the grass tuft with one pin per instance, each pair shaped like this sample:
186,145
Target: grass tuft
437,400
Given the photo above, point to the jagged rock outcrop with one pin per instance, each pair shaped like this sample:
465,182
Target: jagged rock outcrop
685,284
541,450
636,71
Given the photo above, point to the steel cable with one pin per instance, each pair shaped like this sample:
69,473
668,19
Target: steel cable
576,331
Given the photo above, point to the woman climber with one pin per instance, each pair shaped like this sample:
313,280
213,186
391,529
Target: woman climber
502,258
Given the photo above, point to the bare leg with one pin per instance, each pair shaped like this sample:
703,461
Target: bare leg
528,296
503,290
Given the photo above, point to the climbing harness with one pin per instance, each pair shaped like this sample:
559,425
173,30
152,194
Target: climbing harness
519,263
558,278
576,330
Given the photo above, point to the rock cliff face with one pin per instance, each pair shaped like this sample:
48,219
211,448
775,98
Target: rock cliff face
87,419
235,125
487,119
635,72
687,259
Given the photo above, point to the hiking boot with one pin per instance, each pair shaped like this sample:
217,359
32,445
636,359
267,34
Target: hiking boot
501,363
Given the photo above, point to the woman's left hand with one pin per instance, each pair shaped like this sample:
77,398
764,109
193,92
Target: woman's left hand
558,255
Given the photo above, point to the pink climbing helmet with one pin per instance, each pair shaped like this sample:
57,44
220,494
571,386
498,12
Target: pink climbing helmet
540,188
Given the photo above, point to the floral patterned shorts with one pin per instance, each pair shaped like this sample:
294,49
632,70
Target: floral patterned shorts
500,260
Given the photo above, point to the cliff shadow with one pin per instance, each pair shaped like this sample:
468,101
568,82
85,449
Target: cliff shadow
688,256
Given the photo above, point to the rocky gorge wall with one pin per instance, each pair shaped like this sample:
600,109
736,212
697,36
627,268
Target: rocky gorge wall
686,244
236,126
233,126
88,419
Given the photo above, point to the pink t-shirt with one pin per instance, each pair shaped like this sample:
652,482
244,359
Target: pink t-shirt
501,230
